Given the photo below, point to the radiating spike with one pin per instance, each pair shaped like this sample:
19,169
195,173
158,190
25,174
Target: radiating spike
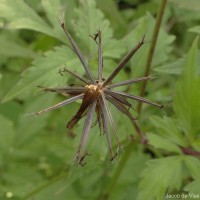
75,75
77,51
99,118
85,132
121,107
129,82
100,59
138,98
121,99
106,127
64,89
123,62
110,119
65,102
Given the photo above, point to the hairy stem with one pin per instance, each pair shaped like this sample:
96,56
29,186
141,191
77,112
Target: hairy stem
151,50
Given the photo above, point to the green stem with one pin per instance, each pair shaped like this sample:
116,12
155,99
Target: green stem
152,49
118,172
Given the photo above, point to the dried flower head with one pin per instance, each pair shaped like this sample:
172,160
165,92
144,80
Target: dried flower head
96,94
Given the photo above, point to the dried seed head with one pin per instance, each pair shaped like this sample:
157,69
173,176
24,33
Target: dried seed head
95,94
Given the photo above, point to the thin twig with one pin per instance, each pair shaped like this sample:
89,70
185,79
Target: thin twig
188,151
151,50
134,97
128,82
74,74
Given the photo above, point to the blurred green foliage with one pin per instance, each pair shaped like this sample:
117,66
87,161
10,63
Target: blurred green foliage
36,155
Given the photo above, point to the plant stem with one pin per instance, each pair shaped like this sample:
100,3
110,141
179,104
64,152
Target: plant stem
188,151
118,172
151,50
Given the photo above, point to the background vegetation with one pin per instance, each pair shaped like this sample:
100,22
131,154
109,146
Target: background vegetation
36,155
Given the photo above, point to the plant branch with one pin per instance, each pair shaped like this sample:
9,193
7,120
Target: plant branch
188,151
151,50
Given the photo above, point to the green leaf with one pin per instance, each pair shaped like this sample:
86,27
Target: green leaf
167,128
158,177
193,189
89,20
195,29
196,144
20,15
193,5
186,103
193,165
21,177
119,24
52,9
29,126
10,48
44,72
162,143
6,134
174,68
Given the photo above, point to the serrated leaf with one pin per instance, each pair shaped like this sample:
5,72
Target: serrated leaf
119,24
52,9
20,15
162,143
167,128
174,68
158,177
44,72
186,103
162,50
193,164
89,19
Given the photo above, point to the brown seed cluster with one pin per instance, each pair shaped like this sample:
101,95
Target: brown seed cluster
95,89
